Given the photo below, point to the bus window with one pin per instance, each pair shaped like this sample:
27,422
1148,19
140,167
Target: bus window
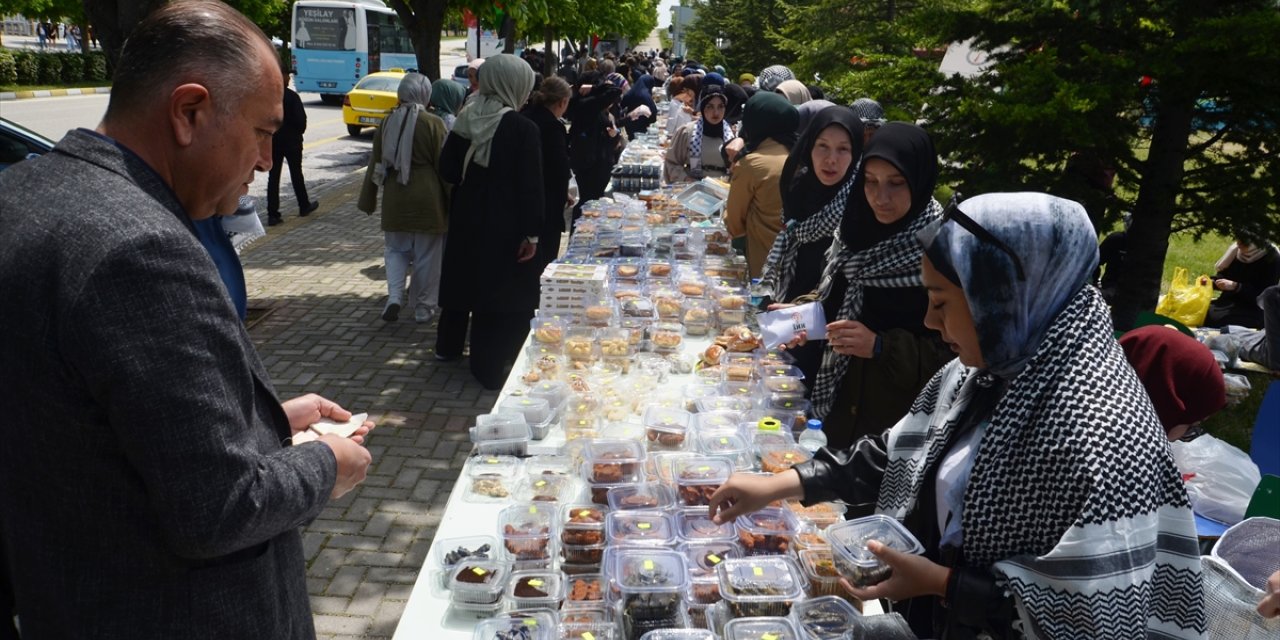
393,36
325,29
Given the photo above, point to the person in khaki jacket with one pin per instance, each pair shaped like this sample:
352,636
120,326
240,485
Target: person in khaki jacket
404,163
754,208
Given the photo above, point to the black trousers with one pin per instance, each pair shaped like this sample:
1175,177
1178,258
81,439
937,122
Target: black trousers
294,157
592,182
496,338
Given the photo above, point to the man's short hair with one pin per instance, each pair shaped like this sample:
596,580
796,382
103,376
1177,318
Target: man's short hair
201,41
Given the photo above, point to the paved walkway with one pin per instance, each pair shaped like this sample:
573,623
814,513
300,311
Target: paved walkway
322,276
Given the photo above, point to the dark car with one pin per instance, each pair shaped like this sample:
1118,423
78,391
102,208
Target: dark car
18,143
460,76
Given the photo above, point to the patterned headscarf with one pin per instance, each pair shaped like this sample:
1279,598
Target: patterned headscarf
397,131
869,110
773,76
505,84
1073,501
872,254
695,141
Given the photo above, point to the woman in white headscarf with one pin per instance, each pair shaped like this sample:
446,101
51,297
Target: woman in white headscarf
405,165
493,156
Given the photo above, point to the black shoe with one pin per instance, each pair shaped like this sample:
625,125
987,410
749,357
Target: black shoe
447,358
306,211
391,313
274,220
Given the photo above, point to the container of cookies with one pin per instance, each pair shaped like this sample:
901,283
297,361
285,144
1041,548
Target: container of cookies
665,428
600,312
698,316
536,626
547,331
534,410
728,445
642,496
854,561
768,531
760,586
650,585
720,420
639,528
667,337
694,524
819,567
491,478
668,303
614,461
544,488
585,591
698,478
501,434
526,531
580,345
724,403
822,514
784,385
779,459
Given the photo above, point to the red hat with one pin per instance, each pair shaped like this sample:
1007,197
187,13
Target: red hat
1180,374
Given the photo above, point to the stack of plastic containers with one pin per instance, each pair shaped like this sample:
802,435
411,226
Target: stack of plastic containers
527,535
650,586
849,547
827,618
501,434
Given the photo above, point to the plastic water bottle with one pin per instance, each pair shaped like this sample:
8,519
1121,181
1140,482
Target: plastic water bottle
813,438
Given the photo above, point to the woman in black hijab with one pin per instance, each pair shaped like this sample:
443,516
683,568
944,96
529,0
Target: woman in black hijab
879,354
640,95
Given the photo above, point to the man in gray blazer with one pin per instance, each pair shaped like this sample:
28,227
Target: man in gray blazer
147,485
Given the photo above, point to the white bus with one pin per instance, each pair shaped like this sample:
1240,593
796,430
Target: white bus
337,42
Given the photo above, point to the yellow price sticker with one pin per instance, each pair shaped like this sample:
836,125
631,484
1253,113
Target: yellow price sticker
705,469
769,636
493,461
724,441
648,565
535,583
478,571
757,571
715,559
587,635
540,483
790,456
530,622
533,509
584,513
644,526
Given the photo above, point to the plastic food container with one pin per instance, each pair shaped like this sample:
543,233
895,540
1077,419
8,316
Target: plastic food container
501,434
658,466
822,514
548,464
535,589
679,634
819,567
760,586
584,590
749,390
773,370
717,419
729,446
534,626
665,427
777,438
702,558
600,313
699,477
826,618
642,496
452,551
667,337
544,488
580,344
491,478
582,538
809,537
784,384
696,525
599,491
849,547
737,369
614,461
639,528
615,346
770,628
693,391
779,459
698,316
554,392
547,331
768,531
723,403
650,583
669,303
535,410
526,530
479,582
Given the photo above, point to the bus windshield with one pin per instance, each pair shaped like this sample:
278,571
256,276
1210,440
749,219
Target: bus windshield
325,29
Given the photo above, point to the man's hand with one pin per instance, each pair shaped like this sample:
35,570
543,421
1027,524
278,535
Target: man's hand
747,493
1270,605
851,338
913,576
526,252
305,411
353,463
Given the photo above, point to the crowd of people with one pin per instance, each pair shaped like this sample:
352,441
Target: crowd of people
969,381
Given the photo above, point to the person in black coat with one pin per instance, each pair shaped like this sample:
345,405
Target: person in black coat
593,137
1247,268
493,156
547,105
286,144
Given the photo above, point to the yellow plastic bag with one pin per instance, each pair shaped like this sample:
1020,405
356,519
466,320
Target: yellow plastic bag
1187,301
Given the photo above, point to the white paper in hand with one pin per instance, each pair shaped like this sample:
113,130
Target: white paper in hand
326,426
784,325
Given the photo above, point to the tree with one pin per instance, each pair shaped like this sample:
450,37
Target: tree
738,34
1177,97
424,20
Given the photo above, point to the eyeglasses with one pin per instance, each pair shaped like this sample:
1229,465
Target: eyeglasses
953,213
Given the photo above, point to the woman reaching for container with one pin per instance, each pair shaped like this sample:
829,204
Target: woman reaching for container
1033,468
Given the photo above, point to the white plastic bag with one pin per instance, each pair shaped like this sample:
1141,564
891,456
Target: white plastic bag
1220,478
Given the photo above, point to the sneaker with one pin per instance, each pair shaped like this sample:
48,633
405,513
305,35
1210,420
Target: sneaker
307,210
423,314
274,220
392,312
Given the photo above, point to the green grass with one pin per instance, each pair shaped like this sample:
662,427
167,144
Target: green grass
1198,256
43,87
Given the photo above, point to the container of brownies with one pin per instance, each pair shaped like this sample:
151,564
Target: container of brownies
854,561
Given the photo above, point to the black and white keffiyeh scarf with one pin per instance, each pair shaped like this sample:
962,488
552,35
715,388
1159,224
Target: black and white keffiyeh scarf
1074,501
890,263
780,266
695,141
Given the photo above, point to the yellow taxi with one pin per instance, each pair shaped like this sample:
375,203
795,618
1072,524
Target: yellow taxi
372,100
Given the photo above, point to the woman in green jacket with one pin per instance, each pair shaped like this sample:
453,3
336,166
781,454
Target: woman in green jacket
404,163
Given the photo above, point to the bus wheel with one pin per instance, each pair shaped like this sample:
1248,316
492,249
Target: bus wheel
331,99
354,130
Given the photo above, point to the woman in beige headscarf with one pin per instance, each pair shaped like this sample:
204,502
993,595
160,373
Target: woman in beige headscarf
794,91
404,164
493,156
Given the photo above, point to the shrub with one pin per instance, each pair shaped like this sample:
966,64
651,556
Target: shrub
8,68
28,67
50,68
72,68
95,66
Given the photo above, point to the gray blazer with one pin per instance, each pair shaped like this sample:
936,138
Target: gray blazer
145,488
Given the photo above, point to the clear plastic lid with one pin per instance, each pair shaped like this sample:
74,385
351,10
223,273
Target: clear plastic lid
721,419
784,385
580,344
822,514
825,617
667,337
790,402
702,470
505,466
759,579
547,331
778,459
774,369
615,344
544,488
491,478
535,410
555,392
646,528
727,445
450,551
534,626
549,464
703,557
739,389
696,525
668,302
761,628
526,530
583,590
641,496
533,589
723,403
479,582
768,531
659,466
614,461
649,570
665,427
849,540
679,634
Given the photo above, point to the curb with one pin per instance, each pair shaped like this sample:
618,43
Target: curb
52,93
